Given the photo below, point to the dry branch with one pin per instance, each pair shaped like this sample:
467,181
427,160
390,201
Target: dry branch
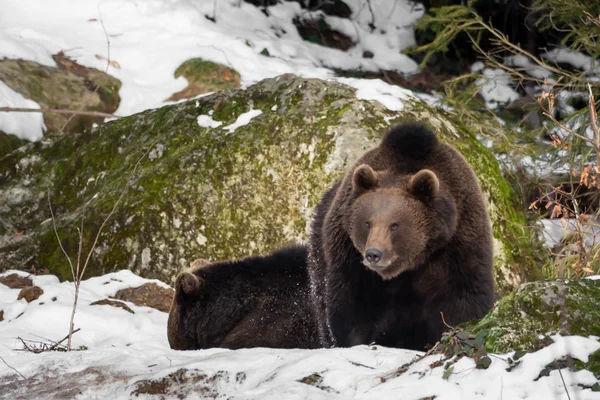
59,111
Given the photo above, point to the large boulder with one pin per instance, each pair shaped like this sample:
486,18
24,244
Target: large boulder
231,174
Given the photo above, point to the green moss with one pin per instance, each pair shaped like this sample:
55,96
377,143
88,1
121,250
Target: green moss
73,88
205,76
9,143
523,320
200,192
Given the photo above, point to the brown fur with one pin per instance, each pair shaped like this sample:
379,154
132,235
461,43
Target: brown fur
254,302
426,216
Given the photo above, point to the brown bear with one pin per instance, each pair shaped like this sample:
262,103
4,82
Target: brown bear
253,302
402,239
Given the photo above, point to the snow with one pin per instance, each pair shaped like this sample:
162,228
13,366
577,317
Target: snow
528,66
124,348
393,97
242,120
23,125
554,230
574,58
149,39
496,87
206,121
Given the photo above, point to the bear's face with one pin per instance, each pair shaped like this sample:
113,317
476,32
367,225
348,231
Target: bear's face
397,222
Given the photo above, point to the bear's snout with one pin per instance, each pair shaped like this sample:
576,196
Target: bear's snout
373,256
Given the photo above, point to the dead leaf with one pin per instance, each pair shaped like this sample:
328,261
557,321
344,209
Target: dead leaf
112,63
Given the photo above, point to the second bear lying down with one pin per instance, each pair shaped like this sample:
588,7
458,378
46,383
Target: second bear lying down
253,302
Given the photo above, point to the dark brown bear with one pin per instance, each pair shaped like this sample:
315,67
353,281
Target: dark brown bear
253,302
401,239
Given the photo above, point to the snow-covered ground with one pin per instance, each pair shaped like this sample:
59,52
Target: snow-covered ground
125,351
149,39
146,40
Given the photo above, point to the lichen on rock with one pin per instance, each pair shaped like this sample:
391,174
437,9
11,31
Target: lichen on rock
525,319
215,193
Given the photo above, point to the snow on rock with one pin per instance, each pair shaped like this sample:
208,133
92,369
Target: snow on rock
574,58
528,66
495,87
393,97
242,120
554,230
127,355
206,121
24,125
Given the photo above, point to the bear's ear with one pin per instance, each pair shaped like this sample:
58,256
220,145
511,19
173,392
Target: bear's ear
364,178
188,285
424,184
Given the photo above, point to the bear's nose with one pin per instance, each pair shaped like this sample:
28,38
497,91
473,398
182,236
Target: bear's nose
373,256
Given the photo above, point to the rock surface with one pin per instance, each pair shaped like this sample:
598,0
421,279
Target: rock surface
227,175
30,293
148,295
113,303
525,319
15,281
69,86
204,76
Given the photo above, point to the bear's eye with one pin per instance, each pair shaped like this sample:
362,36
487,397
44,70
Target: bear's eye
394,226
368,225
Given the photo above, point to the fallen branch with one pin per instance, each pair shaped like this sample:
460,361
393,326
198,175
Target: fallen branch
63,339
59,111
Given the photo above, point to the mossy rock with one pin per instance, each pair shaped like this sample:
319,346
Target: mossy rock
8,143
525,319
204,76
69,86
217,193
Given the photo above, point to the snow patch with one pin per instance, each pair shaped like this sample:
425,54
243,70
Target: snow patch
24,125
496,88
242,120
206,121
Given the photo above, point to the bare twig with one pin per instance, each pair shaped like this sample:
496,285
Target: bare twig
107,62
399,371
594,123
58,237
63,339
13,368
444,321
564,384
80,272
106,36
59,111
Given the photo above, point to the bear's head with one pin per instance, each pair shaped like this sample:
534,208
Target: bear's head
184,315
397,221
